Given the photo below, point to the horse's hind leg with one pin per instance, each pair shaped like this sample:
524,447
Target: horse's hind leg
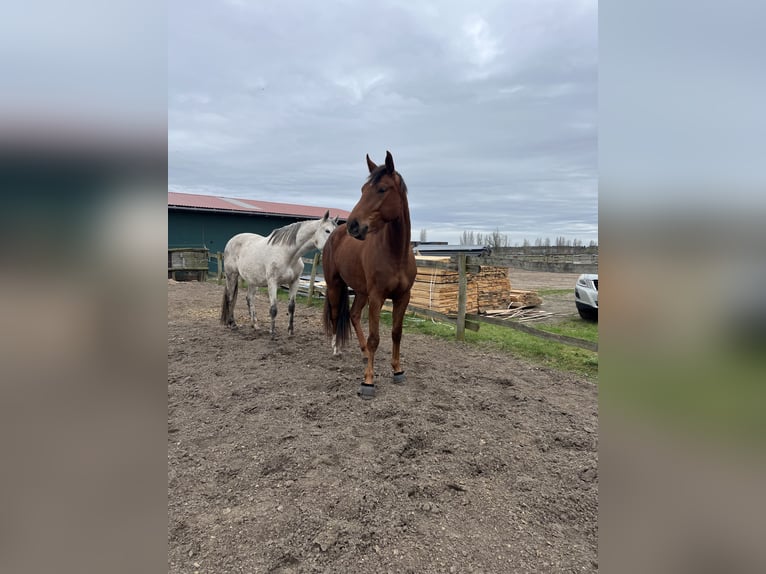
251,292
232,286
356,320
291,304
332,309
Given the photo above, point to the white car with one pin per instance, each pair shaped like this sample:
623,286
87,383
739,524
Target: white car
586,296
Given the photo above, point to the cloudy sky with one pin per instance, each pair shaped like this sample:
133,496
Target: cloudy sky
489,107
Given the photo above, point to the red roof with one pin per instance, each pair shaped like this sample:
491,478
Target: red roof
210,202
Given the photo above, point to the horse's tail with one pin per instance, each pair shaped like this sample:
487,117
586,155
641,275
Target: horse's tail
343,323
226,309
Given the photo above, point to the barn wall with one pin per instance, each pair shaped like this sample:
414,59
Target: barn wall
213,230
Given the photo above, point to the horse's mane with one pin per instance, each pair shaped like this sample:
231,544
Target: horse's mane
378,173
287,235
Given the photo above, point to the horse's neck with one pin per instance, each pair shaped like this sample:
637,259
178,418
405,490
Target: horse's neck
399,233
303,241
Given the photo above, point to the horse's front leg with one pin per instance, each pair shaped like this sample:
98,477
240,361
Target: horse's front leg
367,390
252,291
273,305
397,316
291,304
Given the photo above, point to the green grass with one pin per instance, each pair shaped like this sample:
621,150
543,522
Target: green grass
548,353
575,327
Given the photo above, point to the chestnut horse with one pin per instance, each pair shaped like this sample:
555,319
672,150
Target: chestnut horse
371,254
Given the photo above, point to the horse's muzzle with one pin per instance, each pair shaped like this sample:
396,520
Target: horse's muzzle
355,230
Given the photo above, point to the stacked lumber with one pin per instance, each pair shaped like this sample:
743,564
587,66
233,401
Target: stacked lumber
437,289
494,287
519,298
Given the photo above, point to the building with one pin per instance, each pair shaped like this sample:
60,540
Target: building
205,221
443,249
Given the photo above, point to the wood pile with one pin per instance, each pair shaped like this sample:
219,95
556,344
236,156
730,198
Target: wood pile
494,287
522,315
437,289
519,298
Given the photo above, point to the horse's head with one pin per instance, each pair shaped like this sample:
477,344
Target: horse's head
324,229
383,199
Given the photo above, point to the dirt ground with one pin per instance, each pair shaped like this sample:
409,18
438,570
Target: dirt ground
479,462
535,280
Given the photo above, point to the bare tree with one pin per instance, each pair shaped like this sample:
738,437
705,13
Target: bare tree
491,240
423,235
497,239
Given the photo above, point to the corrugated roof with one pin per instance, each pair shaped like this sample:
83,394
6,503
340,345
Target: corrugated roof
210,202
450,249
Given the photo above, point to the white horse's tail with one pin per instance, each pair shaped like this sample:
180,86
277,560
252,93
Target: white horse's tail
226,310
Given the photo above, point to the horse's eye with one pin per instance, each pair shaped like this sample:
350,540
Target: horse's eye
382,190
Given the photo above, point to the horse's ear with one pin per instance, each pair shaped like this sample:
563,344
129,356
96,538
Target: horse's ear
389,163
335,220
370,164
326,215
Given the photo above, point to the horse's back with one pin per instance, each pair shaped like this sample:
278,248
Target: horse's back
238,246
258,261
239,242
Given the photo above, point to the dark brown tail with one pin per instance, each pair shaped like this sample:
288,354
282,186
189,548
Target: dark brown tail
343,325
226,310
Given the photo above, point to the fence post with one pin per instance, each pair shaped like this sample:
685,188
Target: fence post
314,265
219,265
461,297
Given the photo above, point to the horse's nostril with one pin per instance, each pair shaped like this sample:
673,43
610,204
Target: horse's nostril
353,227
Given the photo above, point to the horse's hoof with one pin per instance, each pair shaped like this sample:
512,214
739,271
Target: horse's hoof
399,377
366,391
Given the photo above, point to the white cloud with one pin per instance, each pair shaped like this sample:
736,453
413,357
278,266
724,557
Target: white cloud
484,47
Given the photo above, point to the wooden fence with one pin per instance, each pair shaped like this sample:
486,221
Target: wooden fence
462,320
471,321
